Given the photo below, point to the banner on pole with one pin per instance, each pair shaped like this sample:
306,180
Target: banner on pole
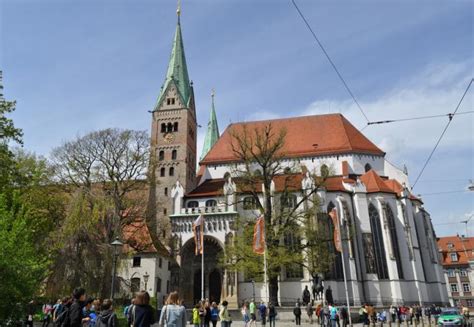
259,236
198,230
337,231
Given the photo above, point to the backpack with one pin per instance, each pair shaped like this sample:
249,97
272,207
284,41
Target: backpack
63,320
99,322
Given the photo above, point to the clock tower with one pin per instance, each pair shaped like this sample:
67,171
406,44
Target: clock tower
173,135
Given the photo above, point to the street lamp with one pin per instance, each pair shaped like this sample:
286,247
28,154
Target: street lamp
117,246
145,279
253,289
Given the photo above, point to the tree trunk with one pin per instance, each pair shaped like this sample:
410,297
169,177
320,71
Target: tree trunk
273,289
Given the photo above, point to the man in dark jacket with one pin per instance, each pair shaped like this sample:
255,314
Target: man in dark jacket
107,317
76,317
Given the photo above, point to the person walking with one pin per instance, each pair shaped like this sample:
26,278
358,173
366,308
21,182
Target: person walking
253,313
47,312
196,317
76,316
224,315
306,295
107,316
344,316
309,312
173,314
333,315
214,314
272,313
142,313
207,314
297,313
262,310
245,313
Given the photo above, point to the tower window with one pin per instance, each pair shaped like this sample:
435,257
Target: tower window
169,127
324,171
211,203
163,128
161,156
175,127
162,172
192,204
165,211
174,154
367,167
168,101
171,171
166,191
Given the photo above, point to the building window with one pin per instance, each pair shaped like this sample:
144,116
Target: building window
293,242
160,262
169,127
454,287
469,302
324,171
175,127
463,272
136,261
288,200
327,225
167,286
158,285
367,167
174,154
249,203
211,203
166,191
466,287
454,257
165,211
161,156
370,266
162,172
192,204
451,273
394,239
450,245
168,101
135,285
163,128
171,171
377,241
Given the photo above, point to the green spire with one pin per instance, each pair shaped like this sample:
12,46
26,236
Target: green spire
212,134
177,69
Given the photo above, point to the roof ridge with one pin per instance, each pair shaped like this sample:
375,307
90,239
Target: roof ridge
283,118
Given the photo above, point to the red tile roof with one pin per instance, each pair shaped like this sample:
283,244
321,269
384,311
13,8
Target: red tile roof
305,136
462,246
374,183
137,237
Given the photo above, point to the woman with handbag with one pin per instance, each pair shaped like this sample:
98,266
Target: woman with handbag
173,313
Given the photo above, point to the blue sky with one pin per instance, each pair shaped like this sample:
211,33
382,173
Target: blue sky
77,66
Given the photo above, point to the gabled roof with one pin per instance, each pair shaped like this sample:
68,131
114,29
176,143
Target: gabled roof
137,237
177,71
374,183
305,136
462,246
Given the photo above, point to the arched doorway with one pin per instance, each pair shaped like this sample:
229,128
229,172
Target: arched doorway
190,271
215,286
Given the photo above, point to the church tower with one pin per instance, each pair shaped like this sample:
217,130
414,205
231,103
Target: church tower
212,133
173,134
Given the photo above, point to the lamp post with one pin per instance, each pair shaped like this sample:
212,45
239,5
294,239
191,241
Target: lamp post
117,246
253,289
145,279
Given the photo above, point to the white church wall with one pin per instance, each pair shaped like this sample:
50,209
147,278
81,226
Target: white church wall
393,172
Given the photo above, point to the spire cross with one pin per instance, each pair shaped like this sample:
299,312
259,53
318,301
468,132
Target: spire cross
178,11
213,93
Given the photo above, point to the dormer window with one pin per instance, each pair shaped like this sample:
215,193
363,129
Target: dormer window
454,257
367,167
450,246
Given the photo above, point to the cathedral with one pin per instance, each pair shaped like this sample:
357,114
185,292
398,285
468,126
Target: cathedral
392,256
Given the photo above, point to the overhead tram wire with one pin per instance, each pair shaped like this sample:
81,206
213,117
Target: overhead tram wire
330,61
449,115
442,134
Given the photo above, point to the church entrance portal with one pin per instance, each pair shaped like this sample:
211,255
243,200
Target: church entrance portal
190,272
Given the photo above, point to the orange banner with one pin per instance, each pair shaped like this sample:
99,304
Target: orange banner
337,231
198,230
259,236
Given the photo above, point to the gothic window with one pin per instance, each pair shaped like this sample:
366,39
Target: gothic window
166,191
377,241
169,128
162,172
367,167
394,239
211,203
161,155
163,128
226,175
171,173
135,285
288,200
328,228
173,100
175,127
370,266
293,242
192,204
174,154
324,171
408,232
348,228
250,203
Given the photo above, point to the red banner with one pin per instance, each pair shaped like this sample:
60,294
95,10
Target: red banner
337,231
259,236
198,230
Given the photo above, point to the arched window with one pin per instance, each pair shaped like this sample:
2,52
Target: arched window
175,127
328,227
211,203
250,203
324,171
226,175
162,172
257,172
174,154
394,239
171,173
161,155
288,200
135,285
192,204
169,127
293,242
163,128
367,167
377,241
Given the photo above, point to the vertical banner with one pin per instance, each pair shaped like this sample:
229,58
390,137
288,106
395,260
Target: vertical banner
198,229
337,231
259,236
